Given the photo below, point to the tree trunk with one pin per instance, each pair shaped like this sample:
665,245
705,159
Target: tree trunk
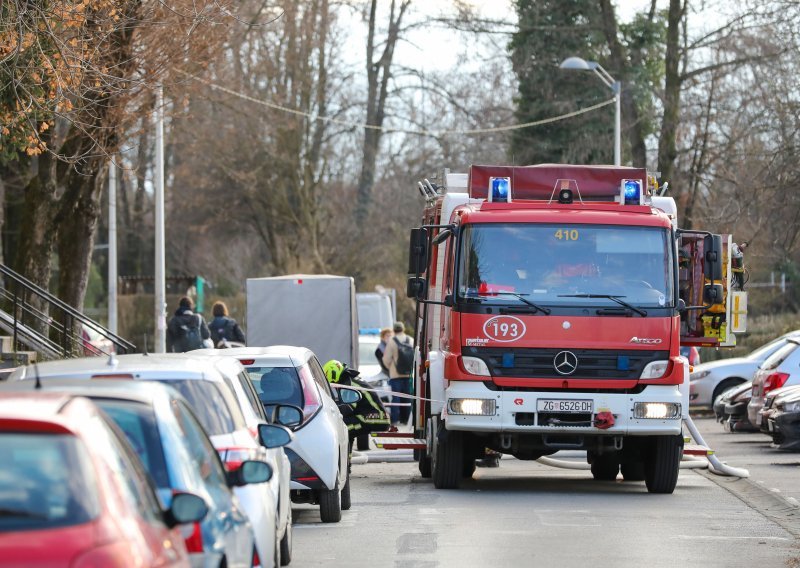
667,145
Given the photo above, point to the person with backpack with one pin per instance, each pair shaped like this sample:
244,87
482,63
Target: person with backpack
399,359
224,328
186,330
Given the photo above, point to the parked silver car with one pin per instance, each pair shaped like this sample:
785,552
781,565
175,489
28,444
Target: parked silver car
781,369
709,380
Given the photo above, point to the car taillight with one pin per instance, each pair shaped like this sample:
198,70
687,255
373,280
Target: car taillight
312,401
233,457
194,542
775,381
247,362
256,559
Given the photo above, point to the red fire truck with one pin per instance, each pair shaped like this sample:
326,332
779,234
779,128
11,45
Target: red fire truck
552,301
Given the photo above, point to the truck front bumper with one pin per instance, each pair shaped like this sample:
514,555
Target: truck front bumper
516,412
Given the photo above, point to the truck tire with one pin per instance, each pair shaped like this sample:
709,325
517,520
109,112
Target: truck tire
424,464
362,442
468,467
605,468
448,460
330,505
663,464
632,471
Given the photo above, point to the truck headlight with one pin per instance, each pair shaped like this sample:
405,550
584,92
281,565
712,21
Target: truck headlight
657,410
471,406
699,375
475,366
654,370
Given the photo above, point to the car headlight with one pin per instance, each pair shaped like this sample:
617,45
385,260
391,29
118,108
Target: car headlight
657,410
699,375
475,366
471,406
655,370
792,406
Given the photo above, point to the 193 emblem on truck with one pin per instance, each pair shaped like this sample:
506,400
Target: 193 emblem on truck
504,328
565,363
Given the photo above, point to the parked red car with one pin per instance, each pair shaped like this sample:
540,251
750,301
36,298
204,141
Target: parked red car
73,493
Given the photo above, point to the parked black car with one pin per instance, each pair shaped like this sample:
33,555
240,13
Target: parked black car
736,410
784,421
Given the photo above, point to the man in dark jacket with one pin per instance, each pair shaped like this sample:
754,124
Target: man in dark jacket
186,330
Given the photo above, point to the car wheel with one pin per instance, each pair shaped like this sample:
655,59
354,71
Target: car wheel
276,554
605,468
362,442
723,386
448,460
346,494
286,543
330,505
633,471
663,464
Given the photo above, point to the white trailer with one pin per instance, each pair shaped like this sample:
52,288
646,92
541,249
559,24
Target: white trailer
315,311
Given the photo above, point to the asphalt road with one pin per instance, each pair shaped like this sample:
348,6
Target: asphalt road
528,514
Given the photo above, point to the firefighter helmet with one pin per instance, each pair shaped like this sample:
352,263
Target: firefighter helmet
333,370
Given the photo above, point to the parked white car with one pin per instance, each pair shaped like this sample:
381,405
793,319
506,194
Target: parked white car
284,375
709,380
207,384
781,369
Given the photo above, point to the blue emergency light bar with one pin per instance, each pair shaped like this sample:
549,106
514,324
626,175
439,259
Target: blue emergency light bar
631,192
500,189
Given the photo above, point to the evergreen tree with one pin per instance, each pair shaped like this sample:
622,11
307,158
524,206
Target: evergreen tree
549,32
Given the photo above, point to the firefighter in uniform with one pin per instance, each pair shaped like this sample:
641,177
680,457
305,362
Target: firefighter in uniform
365,416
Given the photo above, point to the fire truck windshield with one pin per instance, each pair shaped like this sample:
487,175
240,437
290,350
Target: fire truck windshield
566,265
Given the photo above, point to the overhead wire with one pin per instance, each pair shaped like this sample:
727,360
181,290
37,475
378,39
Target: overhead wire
387,129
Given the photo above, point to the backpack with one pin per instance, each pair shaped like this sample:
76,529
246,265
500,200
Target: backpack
224,331
192,339
405,357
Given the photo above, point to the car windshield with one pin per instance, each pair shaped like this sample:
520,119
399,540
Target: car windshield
565,265
138,421
366,350
46,481
277,385
779,356
765,351
208,403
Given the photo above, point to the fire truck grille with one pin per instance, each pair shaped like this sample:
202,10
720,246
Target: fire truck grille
586,363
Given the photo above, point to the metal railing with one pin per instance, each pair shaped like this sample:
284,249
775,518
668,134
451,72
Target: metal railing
36,318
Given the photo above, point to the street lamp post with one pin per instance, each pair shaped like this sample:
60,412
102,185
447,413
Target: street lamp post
581,64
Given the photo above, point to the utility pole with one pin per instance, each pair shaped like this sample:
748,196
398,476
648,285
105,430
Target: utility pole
112,246
159,284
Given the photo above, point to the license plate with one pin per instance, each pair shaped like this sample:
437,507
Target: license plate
556,405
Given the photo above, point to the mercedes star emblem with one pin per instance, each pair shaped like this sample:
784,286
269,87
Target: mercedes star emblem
565,363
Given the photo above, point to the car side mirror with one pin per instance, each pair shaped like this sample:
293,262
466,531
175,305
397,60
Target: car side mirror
349,396
287,415
274,436
251,471
185,508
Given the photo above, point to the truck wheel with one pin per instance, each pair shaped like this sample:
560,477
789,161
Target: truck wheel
448,460
632,471
424,464
362,442
330,505
605,468
468,467
663,464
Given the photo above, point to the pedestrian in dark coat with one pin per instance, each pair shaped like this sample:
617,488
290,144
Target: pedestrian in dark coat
223,327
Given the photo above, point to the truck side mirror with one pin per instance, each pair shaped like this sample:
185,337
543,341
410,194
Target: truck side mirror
418,251
712,294
417,287
712,257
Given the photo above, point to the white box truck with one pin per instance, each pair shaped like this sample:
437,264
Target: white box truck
315,311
